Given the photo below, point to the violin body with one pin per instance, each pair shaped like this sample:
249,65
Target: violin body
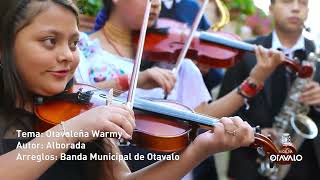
156,133
162,134
165,42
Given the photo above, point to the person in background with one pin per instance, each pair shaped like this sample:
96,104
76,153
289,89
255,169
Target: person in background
289,17
176,10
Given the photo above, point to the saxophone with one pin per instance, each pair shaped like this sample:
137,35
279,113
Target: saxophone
292,120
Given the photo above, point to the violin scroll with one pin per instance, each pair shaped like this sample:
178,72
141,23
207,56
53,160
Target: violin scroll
303,71
268,150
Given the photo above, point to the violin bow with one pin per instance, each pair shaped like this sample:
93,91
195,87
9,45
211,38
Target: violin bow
137,61
187,44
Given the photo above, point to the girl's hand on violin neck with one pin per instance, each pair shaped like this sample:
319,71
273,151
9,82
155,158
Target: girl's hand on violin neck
111,118
157,77
230,134
267,62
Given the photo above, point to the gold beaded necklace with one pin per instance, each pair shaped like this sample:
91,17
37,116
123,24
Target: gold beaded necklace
116,37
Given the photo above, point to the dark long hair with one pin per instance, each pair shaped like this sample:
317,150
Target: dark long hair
103,14
108,6
14,16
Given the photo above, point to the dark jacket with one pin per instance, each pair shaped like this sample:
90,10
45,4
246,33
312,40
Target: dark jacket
263,108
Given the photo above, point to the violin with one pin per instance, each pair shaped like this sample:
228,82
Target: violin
213,49
162,126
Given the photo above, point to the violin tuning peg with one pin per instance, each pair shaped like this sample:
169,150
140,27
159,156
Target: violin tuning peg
296,60
110,97
38,100
123,142
261,151
257,129
271,164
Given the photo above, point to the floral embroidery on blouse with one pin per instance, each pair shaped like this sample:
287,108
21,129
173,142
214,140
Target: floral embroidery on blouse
103,72
100,66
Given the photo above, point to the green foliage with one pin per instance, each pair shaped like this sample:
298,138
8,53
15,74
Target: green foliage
246,7
89,7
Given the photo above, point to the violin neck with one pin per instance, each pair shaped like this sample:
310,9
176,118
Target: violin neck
149,106
154,107
219,39
236,44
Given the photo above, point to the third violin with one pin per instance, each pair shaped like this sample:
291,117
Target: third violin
214,49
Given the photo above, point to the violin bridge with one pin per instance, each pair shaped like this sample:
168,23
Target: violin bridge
110,97
261,151
129,105
123,142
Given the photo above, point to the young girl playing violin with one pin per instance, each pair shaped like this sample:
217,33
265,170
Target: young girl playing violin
109,54
38,56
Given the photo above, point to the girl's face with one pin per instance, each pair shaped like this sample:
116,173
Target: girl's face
132,12
46,53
